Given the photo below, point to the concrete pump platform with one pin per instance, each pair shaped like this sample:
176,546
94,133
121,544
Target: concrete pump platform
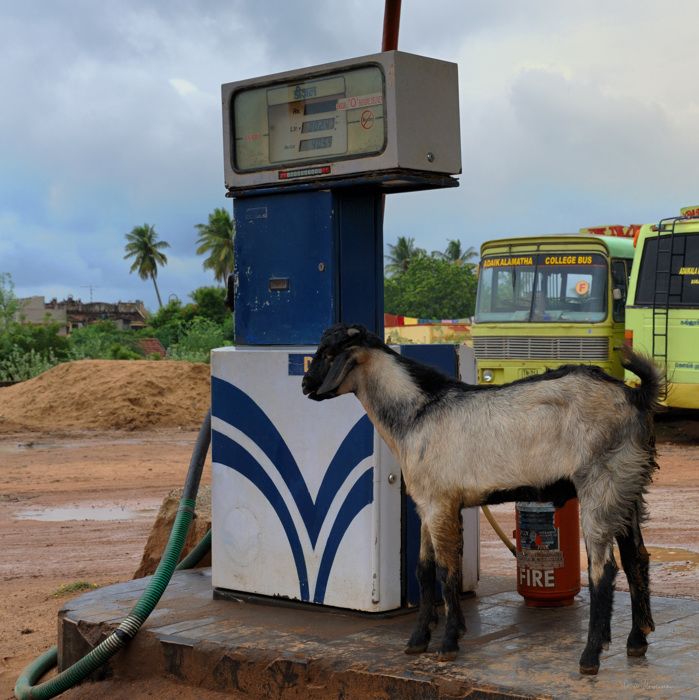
253,650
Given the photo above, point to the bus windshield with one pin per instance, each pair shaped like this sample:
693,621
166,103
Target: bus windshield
543,288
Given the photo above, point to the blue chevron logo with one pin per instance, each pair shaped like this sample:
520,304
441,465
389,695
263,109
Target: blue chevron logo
240,411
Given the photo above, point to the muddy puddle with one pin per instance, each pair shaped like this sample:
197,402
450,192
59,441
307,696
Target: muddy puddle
671,554
87,441
86,513
658,555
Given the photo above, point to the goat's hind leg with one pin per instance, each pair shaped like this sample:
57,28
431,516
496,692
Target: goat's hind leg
602,570
448,538
455,624
635,560
426,576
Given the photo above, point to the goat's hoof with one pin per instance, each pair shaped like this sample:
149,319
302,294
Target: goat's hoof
448,650
640,651
416,649
636,644
589,662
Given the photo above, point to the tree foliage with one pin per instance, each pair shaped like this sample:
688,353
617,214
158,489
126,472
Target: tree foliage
197,341
9,304
209,303
454,253
207,321
216,241
401,255
31,336
143,245
431,288
103,340
18,338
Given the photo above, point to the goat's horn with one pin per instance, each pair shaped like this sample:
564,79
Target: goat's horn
351,332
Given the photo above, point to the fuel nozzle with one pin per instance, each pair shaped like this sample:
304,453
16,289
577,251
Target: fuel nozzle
230,292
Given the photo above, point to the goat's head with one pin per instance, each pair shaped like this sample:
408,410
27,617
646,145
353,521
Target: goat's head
341,348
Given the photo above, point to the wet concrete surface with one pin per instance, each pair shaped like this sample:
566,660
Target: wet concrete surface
255,650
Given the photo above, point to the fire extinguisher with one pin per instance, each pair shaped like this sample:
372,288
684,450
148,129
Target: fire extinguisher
548,553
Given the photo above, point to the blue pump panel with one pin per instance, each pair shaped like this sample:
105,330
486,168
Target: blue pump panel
285,268
306,260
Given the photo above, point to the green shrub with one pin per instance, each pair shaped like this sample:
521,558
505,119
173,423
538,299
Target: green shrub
103,341
20,365
195,344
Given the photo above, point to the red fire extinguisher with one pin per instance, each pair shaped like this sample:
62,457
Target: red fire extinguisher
548,553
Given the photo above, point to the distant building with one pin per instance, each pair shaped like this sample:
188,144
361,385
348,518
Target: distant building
72,314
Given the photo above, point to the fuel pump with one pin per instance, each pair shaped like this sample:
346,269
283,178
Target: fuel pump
307,501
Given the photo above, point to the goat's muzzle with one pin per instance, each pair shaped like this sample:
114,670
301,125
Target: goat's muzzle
310,388
306,387
326,374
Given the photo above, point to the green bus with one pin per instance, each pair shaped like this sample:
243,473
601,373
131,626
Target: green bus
549,300
662,312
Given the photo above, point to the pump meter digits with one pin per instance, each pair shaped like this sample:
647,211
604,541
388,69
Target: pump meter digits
329,118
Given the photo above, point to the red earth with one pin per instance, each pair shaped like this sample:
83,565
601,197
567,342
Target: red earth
78,501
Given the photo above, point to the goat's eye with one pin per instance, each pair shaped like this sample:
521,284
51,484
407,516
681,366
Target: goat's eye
329,356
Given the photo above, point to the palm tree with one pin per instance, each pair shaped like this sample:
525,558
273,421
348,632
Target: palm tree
455,254
400,255
143,245
216,239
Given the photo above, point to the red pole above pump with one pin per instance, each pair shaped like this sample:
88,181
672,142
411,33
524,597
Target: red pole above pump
391,24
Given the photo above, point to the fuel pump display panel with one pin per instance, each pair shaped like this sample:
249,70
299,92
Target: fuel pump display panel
320,119
389,120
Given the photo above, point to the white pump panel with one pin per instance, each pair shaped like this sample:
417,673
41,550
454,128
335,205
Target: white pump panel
306,497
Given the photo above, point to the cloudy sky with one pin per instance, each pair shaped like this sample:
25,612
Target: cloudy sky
573,114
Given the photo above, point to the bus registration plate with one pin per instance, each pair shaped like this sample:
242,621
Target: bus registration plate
527,372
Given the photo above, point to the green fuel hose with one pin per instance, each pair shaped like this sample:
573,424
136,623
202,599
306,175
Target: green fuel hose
24,688
197,554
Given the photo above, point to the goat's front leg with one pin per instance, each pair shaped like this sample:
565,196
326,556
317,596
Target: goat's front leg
427,617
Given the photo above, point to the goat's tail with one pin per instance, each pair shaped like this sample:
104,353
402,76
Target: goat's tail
647,395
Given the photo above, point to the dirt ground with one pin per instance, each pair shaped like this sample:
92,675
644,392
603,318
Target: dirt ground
77,504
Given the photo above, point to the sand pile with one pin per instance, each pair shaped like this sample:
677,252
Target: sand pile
108,395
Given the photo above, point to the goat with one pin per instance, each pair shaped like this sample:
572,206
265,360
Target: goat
574,430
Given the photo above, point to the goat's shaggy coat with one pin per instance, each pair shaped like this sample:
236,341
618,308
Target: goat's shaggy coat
570,431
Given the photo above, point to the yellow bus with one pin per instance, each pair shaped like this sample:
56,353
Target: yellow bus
549,300
662,313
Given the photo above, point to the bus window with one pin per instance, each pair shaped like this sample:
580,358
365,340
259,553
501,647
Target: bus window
619,281
553,288
676,269
505,293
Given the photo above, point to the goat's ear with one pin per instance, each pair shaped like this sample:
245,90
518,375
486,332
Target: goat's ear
341,367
